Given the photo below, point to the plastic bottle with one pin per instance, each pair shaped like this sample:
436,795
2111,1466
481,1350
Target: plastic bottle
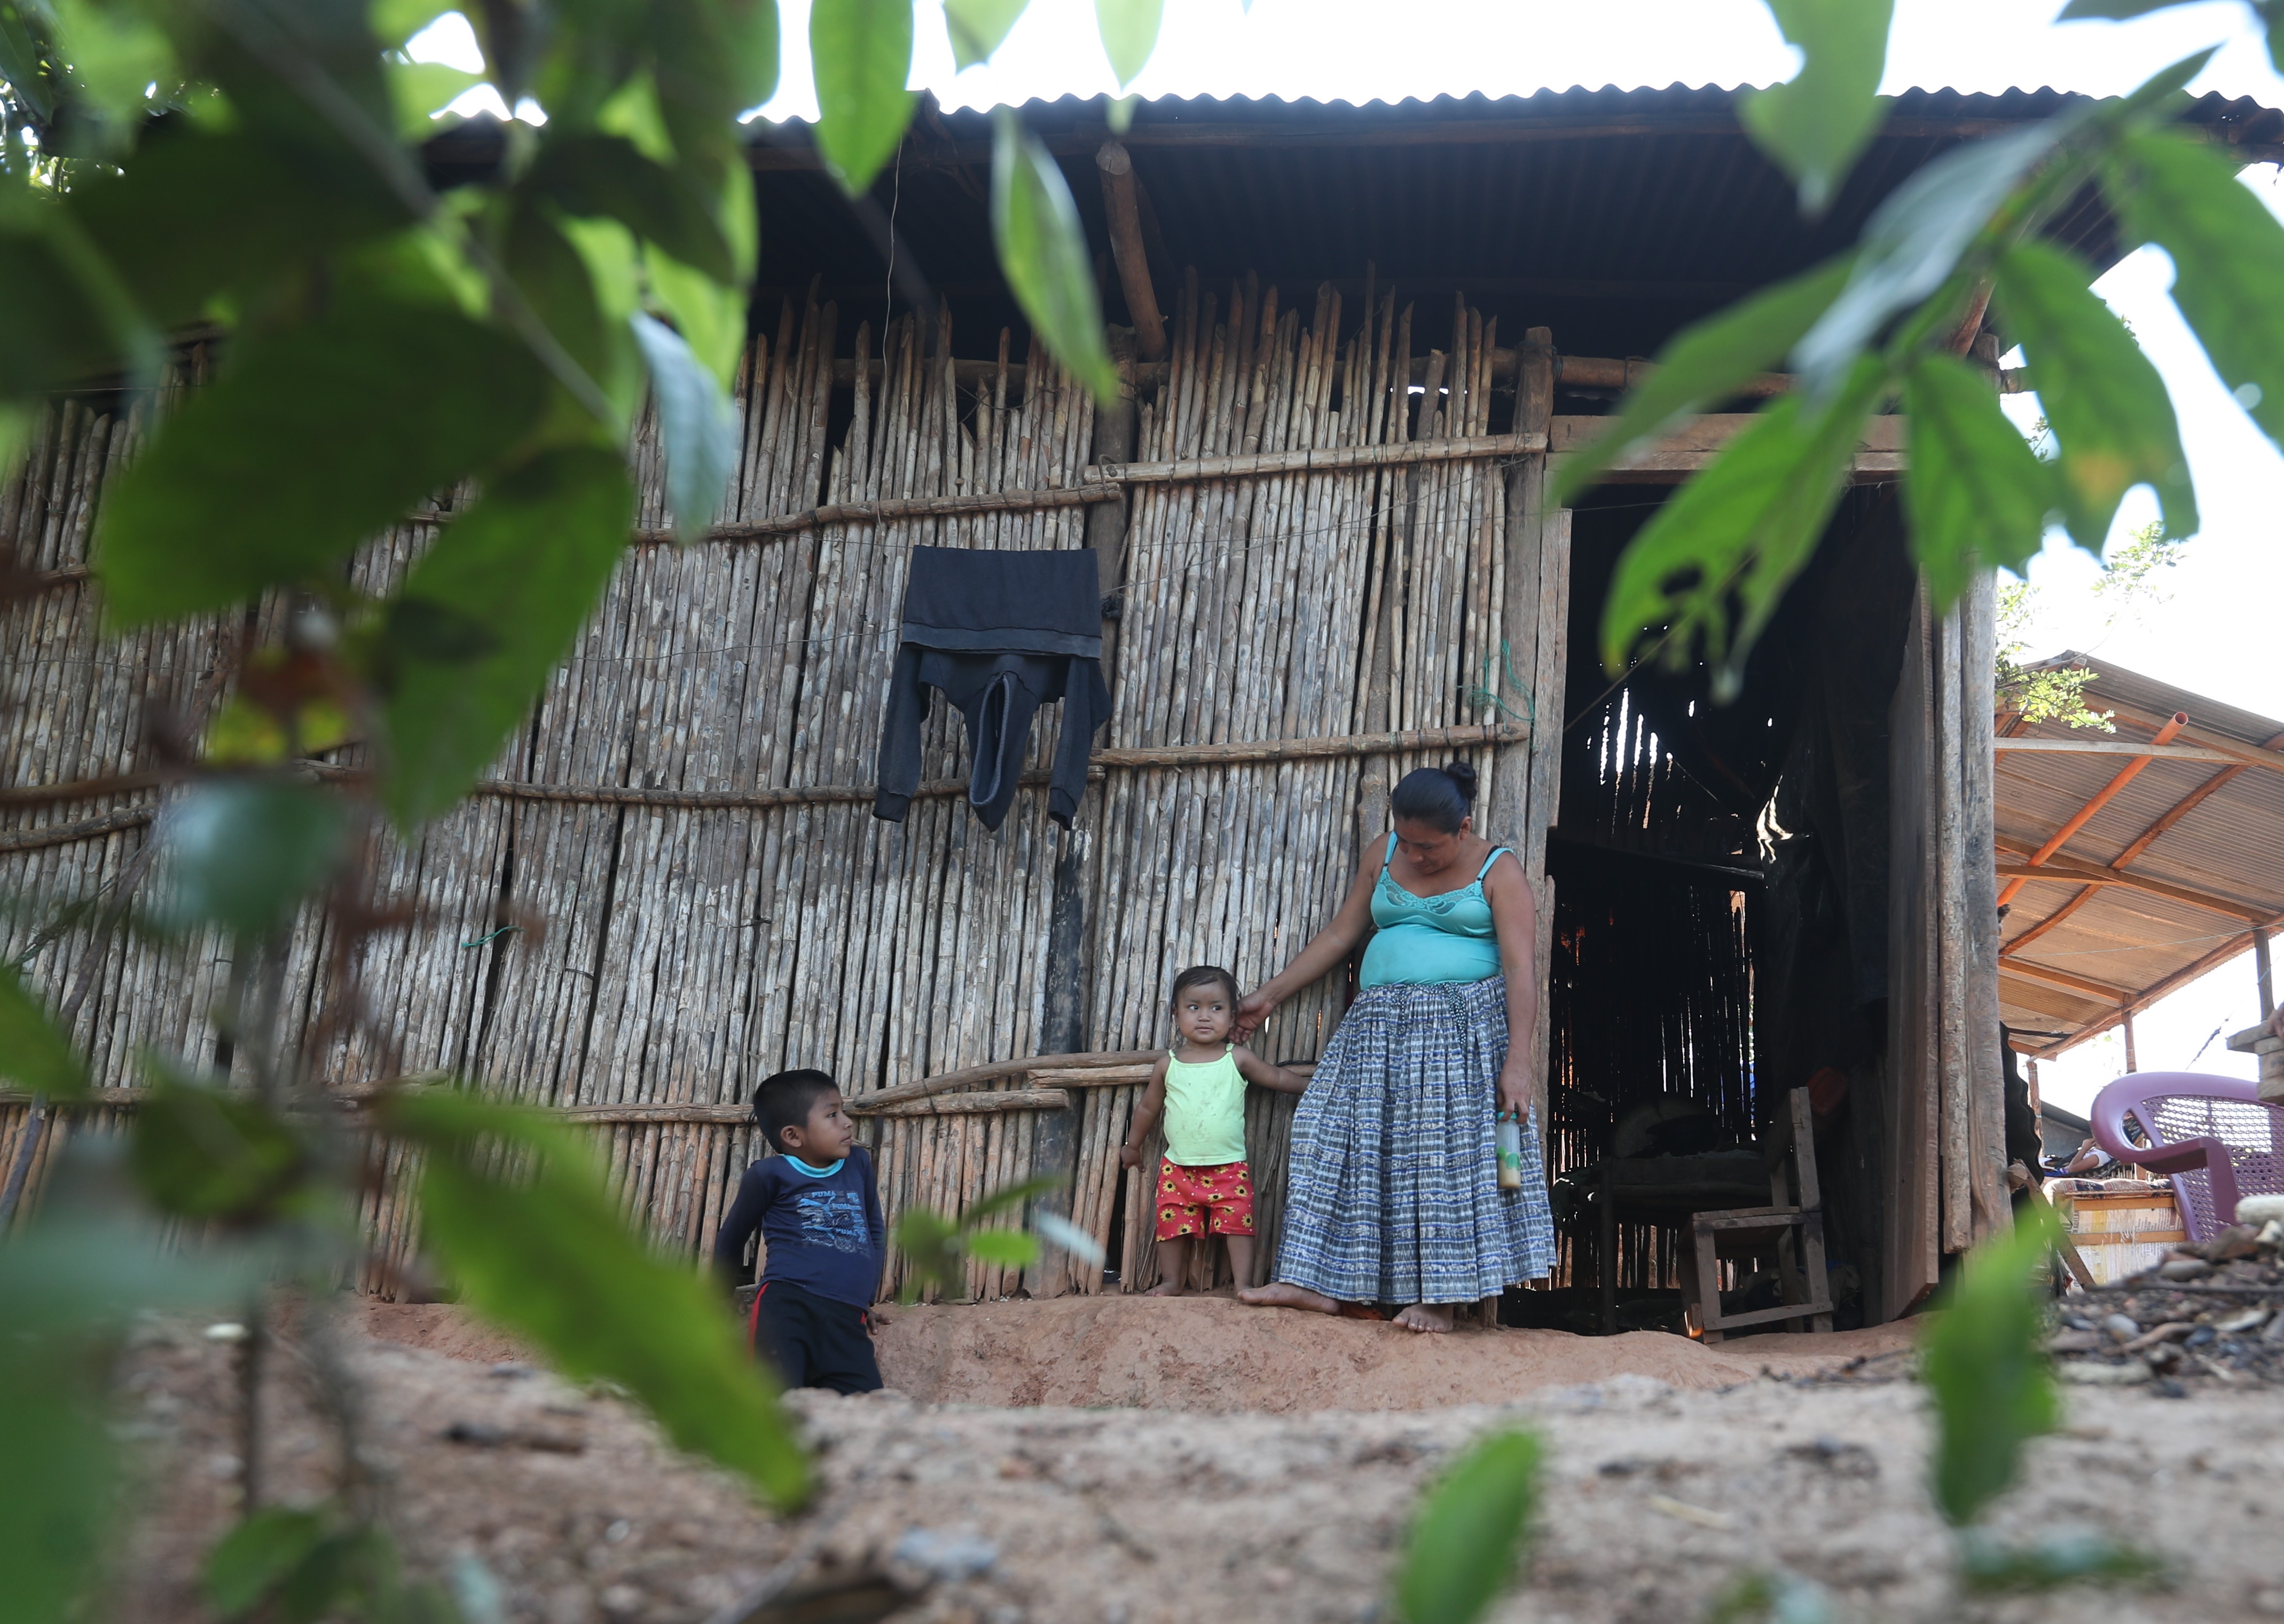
1510,1151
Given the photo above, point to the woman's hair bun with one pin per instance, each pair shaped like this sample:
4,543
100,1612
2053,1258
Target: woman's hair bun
1440,797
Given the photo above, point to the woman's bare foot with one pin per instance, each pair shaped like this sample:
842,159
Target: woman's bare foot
1283,1296
1425,1317
1165,1288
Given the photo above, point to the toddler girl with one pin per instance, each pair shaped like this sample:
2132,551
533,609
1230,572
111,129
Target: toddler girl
1204,1187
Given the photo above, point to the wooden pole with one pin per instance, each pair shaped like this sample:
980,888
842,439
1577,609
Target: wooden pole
1977,707
1954,1067
1126,248
1319,459
2133,1060
2263,979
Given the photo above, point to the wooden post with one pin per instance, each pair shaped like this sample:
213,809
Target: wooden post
2132,1060
2264,978
1533,631
1953,1067
1127,249
2031,1068
1978,620
1063,1028
1908,1259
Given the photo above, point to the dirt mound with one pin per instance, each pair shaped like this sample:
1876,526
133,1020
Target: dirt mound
1214,1354
441,1328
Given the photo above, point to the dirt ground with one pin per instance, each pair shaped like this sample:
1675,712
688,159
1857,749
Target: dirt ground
1671,1470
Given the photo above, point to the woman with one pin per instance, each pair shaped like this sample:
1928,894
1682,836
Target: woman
1393,1194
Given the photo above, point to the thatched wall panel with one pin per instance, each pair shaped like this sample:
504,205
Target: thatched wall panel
670,955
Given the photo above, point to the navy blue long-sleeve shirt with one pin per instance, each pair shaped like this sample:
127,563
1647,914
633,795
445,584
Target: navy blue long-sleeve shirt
822,1233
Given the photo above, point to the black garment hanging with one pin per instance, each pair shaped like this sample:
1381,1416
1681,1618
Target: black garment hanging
1000,633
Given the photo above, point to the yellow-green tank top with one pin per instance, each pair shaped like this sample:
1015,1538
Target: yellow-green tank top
1205,1112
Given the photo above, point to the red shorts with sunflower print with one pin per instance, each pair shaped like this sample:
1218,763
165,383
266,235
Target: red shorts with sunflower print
1216,1200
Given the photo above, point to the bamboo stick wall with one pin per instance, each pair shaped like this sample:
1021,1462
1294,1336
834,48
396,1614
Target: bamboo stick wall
588,954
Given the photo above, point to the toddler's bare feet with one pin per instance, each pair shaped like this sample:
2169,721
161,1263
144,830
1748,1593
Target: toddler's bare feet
1165,1288
1425,1317
1282,1296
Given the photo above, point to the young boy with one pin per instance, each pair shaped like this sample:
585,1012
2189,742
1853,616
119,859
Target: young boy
1204,1186
818,1211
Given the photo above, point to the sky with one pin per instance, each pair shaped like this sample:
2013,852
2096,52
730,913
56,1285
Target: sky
2210,635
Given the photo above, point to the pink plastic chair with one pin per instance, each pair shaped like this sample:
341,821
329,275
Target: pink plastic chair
2214,1135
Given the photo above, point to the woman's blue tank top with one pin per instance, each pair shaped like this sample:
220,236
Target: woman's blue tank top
1425,940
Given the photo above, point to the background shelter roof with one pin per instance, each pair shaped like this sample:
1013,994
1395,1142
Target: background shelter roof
1614,217
2168,879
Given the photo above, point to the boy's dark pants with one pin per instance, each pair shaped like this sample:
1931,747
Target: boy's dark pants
814,1341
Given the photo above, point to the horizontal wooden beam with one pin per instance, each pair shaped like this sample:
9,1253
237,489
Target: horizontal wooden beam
1138,758
44,835
1323,459
1000,1071
638,1114
1878,452
2029,970
2203,739
988,1103
2119,747
2072,871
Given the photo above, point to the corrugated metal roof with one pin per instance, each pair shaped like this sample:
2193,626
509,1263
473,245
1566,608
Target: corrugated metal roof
2139,944
1611,216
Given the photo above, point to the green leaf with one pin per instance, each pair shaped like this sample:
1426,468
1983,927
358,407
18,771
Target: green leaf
590,174
246,1566
978,28
697,427
71,338
22,65
199,1152
423,90
2107,406
861,55
1703,366
521,570
1914,241
2078,11
536,1243
33,1053
396,21
1059,1231
1014,1248
1130,34
114,51
2065,1558
931,1244
1814,127
710,315
71,1283
1043,252
323,436
1984,1360
62,1478
2228,259
356,1565
1007,1198
1742,528
243,852
1975,494
1465,1547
